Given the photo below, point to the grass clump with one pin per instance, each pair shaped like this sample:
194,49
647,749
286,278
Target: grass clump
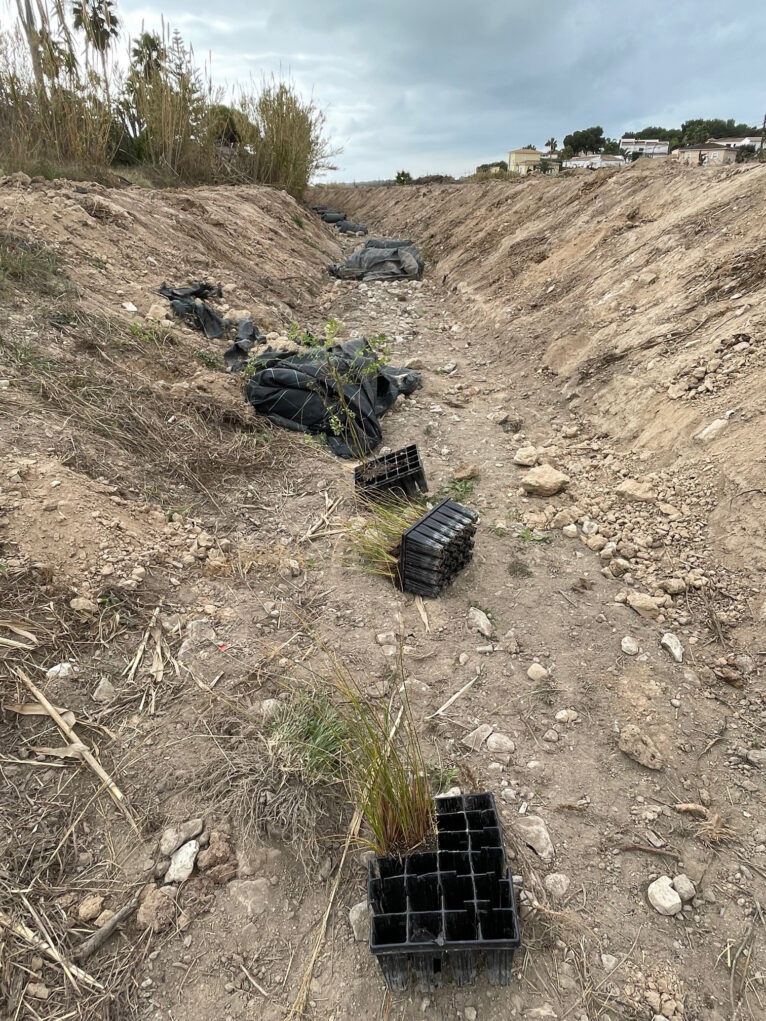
376,539
28,265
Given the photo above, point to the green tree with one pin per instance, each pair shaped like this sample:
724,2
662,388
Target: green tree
586,141
699,130
531,145
611,146
551,144
98,21
148,55
404,177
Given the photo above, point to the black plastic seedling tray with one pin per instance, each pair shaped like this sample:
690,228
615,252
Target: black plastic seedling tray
399,473
443,910
436,548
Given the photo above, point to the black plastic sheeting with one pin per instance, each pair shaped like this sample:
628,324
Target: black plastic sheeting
187,304
248,335
381,259
340,391
349,227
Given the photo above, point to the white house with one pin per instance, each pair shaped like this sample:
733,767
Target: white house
735,143
651,147
594,162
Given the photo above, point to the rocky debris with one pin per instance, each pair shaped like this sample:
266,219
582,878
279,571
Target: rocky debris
359,917
544,480
199,634
684,887
386,638
673,645
104,692
90,908
551,736
501,745
630,646
567,716
526,457
182,862
157,909
609,962
62,671
533,831
557,885
37,990
640,492
570,531
218,852
477,737
466,472
639,747
711,431
537,673
480,622
663,897
83,605
174,836
644,605
254,895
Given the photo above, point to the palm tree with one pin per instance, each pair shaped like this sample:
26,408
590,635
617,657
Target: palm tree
99,21
551,144
148,54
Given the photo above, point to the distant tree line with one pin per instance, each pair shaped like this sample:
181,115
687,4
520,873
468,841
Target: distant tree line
691,132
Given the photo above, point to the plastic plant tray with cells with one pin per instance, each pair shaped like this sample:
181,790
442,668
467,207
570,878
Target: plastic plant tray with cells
436,548
397,474
439,913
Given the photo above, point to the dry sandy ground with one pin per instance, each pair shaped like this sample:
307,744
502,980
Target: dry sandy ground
122,506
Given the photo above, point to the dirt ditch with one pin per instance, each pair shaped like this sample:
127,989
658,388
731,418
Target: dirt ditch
189,562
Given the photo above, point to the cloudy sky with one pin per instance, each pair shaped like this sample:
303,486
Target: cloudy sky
440,85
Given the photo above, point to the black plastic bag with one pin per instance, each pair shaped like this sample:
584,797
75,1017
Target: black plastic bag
247,336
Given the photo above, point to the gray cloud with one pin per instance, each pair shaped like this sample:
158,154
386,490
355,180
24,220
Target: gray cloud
441,85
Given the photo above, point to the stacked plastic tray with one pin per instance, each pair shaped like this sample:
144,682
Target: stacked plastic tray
443,910
399,473
436,548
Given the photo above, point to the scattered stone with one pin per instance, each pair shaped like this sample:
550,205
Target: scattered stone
477,737
62,671
643,604
90,908
609,962
673,586
103,918
544,480
630,646
537,672
158,312
685,888
359,917
500,744
174,836
557,885
216,853
710,432
663,897
639,492
37,990
570,531
639,747
534,833
182,862
567,716
469,1013
386,638
466,472
551,736
480,621
673,645
104,691
157,910
83,605
526,457
253,895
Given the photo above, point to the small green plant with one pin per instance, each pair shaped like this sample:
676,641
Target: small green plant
299,222
428,429
28,263
207,359
528,534
304,736
332,328
461,489
442,777
403,177
518,569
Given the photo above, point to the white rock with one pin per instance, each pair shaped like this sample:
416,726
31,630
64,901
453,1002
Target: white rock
469,1013
386,638
182,862
525,456
557,885
480,621
711,431
570,531
663,897
630,646
537,672
639,492
544,480
500,744
609,962
477,737
104,691
174,836
567,716
643,604
359,917
684,887
252,894
673,645
62,671
534,833
551,736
